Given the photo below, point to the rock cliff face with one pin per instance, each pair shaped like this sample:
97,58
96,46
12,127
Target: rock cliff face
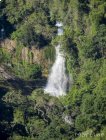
8,44
30,55
4,74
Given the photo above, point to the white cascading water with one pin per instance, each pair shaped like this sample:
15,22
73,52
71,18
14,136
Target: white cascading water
58,80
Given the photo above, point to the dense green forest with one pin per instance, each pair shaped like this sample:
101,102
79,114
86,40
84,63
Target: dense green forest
26,113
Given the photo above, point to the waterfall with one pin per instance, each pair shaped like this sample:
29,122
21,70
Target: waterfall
58,79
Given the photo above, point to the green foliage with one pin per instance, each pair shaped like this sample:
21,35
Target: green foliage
85,52
32,22
37,116
5,57
83,122
26,70
49,53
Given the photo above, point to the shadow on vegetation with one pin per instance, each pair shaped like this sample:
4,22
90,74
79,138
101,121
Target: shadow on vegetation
6,110
26,86
6,116
20,129
3,91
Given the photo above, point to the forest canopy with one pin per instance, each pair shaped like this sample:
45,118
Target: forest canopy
26,113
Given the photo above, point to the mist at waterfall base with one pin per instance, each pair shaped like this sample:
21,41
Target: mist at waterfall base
58,80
